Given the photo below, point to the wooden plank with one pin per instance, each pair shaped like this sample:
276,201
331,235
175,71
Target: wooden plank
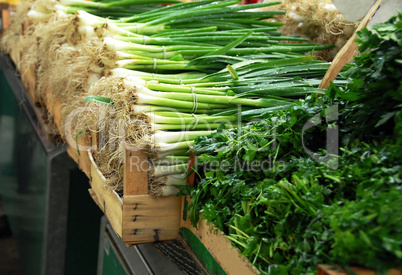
109,201
347,51
54,108
331,270
136,166
82,158
148,219
191,162
28,78
5,16
199,252
15,56
221,249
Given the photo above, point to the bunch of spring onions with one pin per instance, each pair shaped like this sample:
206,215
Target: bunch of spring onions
192,66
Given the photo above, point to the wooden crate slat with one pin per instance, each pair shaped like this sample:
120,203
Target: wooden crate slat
191,162
149,219
136,166
222,250
347,51
5,15
109,201
82,158
28,78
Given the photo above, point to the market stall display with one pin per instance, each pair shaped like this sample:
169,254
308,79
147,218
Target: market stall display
131,86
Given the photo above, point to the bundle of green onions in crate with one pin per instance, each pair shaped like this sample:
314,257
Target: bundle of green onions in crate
156,76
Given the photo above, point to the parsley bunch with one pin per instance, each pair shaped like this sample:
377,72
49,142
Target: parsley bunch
287,211
375,89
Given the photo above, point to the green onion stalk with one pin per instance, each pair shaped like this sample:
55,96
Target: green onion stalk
130,36
173,121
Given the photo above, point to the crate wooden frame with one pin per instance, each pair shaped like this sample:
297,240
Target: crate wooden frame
136,217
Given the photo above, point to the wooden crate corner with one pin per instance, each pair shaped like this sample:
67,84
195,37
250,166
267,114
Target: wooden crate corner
137,217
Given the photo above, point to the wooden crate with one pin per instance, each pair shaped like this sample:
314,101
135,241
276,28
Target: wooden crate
136,216
140,218
211,240
42,111
228,258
